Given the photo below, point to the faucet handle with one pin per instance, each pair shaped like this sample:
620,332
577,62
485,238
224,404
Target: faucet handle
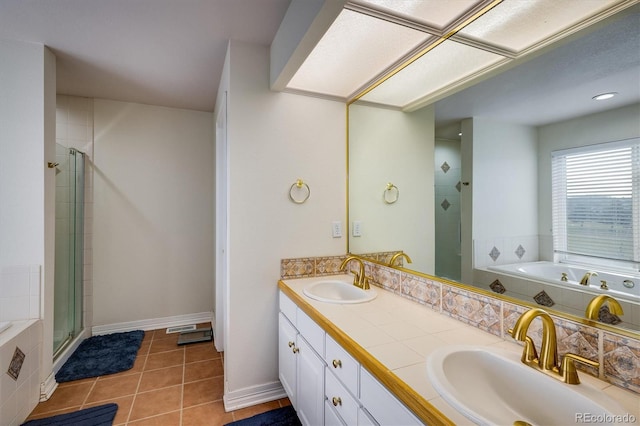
529,353
568,367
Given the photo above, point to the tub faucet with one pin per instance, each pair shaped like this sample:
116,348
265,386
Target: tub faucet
587,275
397,256
593,308
547,361
359,278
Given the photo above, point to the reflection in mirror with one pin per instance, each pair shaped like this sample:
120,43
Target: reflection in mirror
475,173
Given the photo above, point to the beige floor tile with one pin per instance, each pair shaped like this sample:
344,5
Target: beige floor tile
209,414
153,403
162,378
202,370
200,352
164,359
107,388
203,391
168,419
65,397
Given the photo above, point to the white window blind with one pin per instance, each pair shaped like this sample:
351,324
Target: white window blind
596,201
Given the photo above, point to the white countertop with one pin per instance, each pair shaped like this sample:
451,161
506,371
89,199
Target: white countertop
401,333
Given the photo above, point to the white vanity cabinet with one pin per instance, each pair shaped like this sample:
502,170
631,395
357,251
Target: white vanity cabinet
326,385
301,369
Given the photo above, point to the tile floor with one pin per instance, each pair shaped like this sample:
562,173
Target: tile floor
169,385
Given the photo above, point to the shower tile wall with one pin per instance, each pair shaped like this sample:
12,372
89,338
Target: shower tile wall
74,129
447,208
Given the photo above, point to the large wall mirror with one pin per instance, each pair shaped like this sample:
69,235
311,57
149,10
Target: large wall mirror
463,184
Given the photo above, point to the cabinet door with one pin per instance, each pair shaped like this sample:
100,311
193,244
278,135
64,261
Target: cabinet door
309,385
287,335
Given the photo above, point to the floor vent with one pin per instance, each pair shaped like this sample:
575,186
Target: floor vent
181,328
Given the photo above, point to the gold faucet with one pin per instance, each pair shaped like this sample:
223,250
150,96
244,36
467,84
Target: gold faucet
397,256
359,278
547,361
587,275
593,308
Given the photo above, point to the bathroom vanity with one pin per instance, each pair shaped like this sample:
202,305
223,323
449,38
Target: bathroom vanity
365,363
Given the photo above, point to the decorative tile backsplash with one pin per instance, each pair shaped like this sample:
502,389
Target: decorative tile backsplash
619,356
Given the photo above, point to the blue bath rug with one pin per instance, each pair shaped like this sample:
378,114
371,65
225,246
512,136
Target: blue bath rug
102,355
102,415
285,416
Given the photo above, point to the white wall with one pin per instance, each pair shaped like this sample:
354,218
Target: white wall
385,146
27,191
504,185
274,139
153,212
609,126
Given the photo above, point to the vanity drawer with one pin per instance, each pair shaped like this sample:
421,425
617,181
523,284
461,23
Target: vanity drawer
385,408
311,331
343,365
343,403
288,307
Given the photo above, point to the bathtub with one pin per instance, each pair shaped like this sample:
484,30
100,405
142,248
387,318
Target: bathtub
4,325
621,286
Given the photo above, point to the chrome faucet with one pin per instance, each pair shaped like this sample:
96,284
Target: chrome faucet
397,256
359,278
547,362
587,275
593,308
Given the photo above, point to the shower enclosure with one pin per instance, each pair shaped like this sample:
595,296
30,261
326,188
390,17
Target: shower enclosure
67,322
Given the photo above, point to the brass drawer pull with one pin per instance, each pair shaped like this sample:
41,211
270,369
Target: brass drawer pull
337,363
291,344
296,350
336,401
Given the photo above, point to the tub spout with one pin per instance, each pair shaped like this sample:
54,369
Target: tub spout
593,308
587,275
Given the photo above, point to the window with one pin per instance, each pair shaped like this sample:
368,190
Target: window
596,204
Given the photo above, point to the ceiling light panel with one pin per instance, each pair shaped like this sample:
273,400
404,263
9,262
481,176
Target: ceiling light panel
354,49
439,69
433,13
517,25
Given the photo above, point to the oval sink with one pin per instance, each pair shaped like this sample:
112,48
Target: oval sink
336,291
492,387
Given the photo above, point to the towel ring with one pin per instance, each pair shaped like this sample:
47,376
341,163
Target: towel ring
298,186
391,193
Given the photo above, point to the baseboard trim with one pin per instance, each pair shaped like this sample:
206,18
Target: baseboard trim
253,395
153,324
48,387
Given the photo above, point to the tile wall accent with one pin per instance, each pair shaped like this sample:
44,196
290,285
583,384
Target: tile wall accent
619,356
20,292
74,129
18,397
505,250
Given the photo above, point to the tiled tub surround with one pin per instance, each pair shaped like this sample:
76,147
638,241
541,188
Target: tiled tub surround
569,298
618,355
392,337
18,397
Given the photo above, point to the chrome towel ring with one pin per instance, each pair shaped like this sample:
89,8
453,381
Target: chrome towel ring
391,193
299,192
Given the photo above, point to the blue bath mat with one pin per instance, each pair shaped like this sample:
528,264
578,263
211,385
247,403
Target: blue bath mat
102,355
102,415
285,416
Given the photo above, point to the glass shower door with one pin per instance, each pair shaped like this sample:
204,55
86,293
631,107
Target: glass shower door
67,322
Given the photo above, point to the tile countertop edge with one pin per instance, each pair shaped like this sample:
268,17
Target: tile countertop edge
422,408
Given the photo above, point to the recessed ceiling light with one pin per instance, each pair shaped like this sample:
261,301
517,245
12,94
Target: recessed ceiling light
603,96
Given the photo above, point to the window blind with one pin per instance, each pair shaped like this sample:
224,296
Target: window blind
596,201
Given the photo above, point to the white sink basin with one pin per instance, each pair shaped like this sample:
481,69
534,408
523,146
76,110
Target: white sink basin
336,291
492,387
